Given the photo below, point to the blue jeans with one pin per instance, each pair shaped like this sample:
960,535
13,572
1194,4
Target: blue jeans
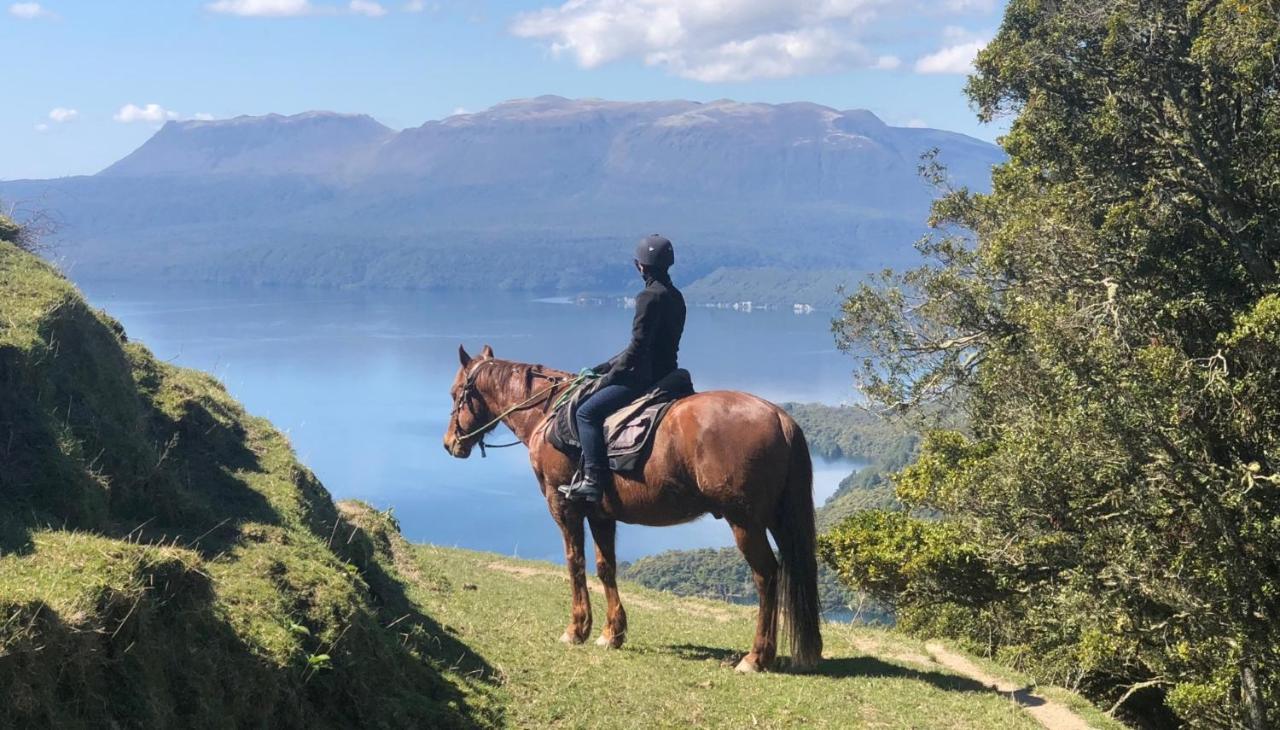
590,418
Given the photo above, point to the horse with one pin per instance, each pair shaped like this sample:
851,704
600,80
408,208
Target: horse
730,454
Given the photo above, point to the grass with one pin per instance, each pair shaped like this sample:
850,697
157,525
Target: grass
676,668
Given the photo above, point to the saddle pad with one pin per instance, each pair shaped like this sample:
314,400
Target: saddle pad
628,431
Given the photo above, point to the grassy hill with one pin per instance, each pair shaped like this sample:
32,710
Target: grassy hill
165,561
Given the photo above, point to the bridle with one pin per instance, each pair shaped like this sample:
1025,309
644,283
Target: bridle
469,392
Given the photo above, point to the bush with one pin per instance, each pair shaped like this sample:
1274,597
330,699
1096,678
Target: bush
9,231
906,561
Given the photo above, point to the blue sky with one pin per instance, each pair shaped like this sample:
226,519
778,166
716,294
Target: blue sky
90,80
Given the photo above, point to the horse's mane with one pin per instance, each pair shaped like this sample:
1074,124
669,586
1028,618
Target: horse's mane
509,374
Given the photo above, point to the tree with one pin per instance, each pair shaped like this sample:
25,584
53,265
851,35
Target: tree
33,233
1108,322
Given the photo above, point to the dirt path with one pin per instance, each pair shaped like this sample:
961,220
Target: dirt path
685,607
1053,715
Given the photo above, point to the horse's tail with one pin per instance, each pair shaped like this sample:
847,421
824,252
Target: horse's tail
794,532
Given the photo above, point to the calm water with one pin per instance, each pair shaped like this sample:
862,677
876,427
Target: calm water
360,382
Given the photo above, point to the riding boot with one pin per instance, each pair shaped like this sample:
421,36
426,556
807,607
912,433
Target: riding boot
587,487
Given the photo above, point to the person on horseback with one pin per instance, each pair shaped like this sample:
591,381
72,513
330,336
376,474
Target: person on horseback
651,355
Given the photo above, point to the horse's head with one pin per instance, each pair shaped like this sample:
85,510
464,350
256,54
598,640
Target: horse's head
470,411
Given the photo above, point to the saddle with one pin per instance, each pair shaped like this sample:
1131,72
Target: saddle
629,431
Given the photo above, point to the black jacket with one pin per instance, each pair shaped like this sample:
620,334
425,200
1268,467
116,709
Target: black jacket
655,337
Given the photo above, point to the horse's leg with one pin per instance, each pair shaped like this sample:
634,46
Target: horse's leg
604,531
575,558
754,544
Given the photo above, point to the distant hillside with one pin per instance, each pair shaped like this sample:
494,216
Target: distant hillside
546,193
722,574
774,286
853,433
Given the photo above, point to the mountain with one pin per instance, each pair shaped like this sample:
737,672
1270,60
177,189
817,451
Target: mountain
544,193
316,143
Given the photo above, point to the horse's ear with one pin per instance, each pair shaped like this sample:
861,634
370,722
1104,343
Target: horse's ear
463,357
486,352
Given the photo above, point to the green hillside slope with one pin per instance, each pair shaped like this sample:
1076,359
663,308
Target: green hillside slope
166,561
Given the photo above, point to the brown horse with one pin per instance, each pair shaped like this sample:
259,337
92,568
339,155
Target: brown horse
730,454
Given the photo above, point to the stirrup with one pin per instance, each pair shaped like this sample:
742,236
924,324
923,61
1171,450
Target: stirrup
581,489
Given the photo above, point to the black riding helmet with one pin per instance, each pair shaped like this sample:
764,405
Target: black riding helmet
656,251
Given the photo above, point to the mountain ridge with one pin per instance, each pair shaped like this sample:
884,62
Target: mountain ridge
540,194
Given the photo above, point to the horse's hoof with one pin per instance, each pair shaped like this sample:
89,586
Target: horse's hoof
746,666
568,637
609,642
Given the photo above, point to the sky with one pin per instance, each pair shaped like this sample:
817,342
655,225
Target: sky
88,81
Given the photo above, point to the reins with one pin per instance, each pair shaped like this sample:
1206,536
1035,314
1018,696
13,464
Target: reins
469,383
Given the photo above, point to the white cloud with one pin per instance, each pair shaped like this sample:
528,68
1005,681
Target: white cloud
970,6
772,56
62,115
262,8
203,117
712,40
957,59
42,128
150,113
916,124
299,8
367,8
736,40
29,11
420,6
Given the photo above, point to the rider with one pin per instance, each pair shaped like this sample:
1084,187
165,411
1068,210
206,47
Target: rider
655,340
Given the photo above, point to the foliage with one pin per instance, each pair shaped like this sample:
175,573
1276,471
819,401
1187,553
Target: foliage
165,561
1106,320
898,558
31,232
9,231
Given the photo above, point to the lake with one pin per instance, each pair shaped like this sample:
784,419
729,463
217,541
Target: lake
359,380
